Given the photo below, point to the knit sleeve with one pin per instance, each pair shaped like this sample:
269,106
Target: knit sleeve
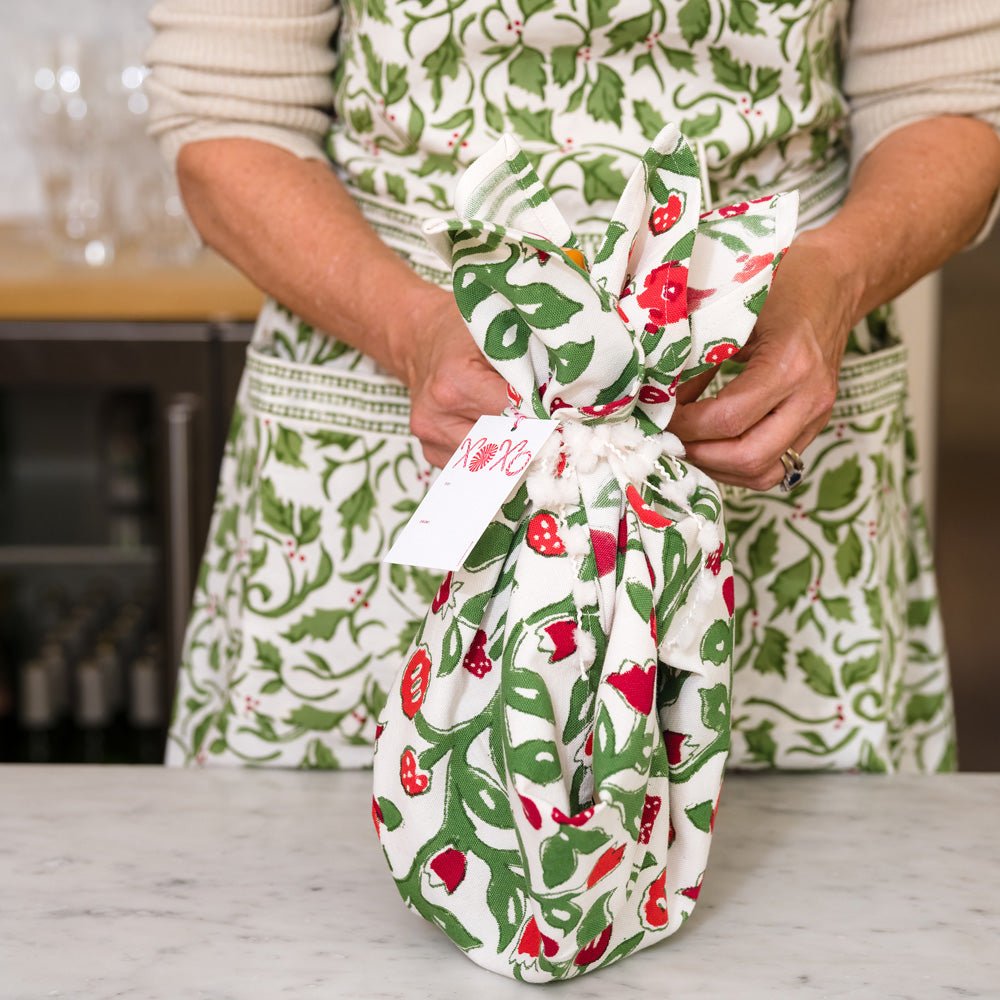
909,60
257,69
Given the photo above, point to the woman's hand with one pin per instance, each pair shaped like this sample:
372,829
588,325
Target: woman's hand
783,397
451,384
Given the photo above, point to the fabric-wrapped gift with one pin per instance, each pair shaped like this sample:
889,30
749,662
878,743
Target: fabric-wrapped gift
549,761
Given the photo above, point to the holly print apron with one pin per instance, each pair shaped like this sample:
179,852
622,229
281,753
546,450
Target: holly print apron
297,627
550,758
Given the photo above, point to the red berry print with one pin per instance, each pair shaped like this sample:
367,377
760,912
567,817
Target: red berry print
636,686
578,819
377,817
416,678
444,592
595,949
654,907
476,661
606,409
650,810
714,561
605,864
721,352
531,813
449,866
728,211
665,216
653,394
543,535
414,782
729,594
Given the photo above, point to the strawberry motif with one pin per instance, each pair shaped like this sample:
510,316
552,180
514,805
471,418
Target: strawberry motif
714,561
671,835
377,817
651,518
728,211
476,661
606,864
444,592
721,352
665,216
543,535
449,866
563,636
578,819
605,547
414,782
588,746
654,907
595,949
650,810
636,686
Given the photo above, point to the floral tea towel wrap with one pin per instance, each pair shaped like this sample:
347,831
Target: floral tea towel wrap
549,761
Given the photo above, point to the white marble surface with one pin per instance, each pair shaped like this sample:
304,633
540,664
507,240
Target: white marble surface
167,885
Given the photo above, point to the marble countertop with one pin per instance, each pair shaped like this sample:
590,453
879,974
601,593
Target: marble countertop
152,883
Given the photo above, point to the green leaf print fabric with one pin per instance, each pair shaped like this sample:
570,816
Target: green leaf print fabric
549,760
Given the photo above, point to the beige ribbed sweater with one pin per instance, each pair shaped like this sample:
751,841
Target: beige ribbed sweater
261,69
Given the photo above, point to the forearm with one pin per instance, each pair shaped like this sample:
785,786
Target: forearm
292,228
918,197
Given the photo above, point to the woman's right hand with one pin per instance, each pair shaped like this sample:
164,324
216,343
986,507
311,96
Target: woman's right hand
451,384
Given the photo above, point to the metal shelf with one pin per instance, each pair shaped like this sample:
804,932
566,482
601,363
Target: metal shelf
76,555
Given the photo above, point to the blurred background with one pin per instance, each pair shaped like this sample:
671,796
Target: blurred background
121,345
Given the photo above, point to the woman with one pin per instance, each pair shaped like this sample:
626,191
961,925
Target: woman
882,114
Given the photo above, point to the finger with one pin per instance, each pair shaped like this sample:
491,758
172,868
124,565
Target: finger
693,388
753,458
739,405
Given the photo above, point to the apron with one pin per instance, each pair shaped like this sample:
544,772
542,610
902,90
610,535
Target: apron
297,628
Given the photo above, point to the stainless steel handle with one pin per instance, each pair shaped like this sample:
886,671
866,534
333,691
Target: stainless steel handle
179,415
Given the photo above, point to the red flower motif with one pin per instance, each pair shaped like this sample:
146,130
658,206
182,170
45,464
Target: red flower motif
664,294
636,686
721,352
449,866
729,211
563,636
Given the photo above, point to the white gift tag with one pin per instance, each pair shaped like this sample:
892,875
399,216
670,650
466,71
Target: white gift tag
483,472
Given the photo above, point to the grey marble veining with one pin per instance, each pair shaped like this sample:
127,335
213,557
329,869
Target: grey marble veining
242,885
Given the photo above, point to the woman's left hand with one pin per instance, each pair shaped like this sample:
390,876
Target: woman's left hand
783,397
